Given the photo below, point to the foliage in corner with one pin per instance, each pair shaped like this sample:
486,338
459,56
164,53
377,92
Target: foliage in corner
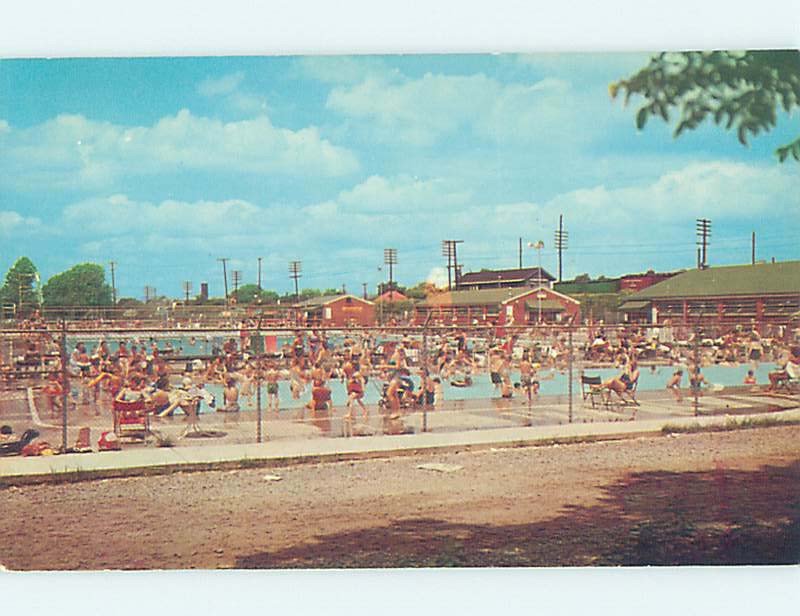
741,90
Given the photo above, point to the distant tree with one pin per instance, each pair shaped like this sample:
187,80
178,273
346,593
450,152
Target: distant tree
251,294
421,290
583,278
21,287
129,302
81,285
742,90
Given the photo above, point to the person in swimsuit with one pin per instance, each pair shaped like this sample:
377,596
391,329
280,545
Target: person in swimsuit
355,393
273,398
230,397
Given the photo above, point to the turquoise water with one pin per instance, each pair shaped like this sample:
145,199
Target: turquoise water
551,383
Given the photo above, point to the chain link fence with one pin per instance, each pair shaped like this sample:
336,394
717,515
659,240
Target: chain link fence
177,385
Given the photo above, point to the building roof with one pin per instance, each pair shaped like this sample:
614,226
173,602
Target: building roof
634,306
391,296
323,300
479,297
759,279
503,276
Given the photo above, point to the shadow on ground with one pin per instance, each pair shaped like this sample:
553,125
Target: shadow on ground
719,517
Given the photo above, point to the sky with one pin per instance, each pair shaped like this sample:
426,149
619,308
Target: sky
164,165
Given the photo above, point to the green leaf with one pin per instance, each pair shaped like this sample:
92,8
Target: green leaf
641,118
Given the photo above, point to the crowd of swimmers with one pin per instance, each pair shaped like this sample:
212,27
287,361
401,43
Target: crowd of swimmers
402,375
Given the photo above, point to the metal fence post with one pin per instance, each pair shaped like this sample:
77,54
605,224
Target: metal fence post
695,387
569,370
258,401
65,385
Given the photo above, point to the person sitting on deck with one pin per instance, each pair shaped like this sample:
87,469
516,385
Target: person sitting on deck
790,370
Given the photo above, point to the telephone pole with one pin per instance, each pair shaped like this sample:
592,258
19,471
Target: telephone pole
149,293
295,269
187,289
364,285
561,241
753,249
703,230
224,261
236,276
520,253
259,273
113,265
449,250
390,259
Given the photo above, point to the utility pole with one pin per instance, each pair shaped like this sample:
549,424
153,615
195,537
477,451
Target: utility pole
113,265
295,269
364,285
149,293
236,276
753,249
703,229
187,289
561,241
450,251
259,273
224,261
520,253
390,259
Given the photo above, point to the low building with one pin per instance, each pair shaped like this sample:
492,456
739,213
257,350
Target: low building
527,277
392,296
512,306
759,294
336,311
636,282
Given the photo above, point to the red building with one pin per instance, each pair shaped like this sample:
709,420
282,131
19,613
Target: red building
637,282
527,277
336,311
758,294
514,306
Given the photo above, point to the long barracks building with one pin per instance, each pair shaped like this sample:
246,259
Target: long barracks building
762,293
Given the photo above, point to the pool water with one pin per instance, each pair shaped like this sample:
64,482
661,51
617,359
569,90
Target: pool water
551,383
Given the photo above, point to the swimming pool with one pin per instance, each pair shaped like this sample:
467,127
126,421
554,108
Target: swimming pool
551,383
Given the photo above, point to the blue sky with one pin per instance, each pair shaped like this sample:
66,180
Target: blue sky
165,164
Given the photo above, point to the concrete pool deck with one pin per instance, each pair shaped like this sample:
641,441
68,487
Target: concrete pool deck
457,429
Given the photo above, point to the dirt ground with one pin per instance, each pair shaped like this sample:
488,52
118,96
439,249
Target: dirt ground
711,498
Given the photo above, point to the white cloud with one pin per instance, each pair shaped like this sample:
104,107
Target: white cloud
119,215
715,189
343,69
216,86
401,194
424,110
438,277
12,222
73,151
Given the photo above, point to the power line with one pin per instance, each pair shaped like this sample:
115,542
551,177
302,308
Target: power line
390,259
236,277
450,251
113,265
561,241
703,231
225,274
295,269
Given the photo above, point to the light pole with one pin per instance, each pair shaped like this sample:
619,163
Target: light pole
538,246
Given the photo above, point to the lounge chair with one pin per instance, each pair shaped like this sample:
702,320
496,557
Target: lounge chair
592,387
14,448
131,419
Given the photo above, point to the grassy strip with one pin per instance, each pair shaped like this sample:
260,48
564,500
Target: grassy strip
730,424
